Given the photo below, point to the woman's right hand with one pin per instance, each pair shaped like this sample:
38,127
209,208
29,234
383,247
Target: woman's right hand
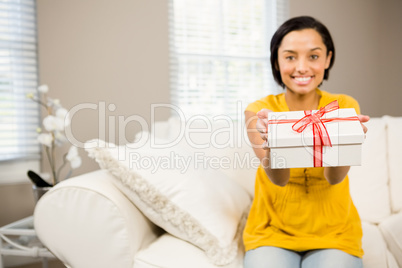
262,126
259,142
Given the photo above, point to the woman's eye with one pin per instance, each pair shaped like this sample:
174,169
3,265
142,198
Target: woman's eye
314,57
290,57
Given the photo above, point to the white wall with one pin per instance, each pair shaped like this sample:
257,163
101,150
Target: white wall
111,52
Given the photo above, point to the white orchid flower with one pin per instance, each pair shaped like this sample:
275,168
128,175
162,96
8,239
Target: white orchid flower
73,157
53,123
45,139
52,135
43,89
76,162
62,114
73,152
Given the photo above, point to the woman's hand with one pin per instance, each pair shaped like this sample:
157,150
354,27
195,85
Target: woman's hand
363,119
258,140
335,175
262,126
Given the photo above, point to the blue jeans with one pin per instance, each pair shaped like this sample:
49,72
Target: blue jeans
267,257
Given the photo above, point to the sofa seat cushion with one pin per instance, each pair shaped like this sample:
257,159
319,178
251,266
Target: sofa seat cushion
391,229
375,249
171,252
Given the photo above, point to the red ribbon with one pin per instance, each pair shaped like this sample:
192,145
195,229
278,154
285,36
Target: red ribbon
320,133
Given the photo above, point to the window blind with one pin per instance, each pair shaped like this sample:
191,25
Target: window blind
219,53
19,116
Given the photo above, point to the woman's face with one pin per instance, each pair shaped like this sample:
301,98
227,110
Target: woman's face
302,60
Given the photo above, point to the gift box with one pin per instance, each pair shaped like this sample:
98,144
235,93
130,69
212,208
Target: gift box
327,137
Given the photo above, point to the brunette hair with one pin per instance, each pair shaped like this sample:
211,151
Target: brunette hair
298,24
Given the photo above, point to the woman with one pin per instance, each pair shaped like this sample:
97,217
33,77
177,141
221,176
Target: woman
300,217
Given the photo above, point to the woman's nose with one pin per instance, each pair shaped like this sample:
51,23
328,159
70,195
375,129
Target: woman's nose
302,66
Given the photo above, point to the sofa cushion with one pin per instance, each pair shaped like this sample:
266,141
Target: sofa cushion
196,203
219,138
375,249
395,159
369,182
391,229
172,252
175,253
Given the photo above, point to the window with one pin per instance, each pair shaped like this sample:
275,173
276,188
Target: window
220,53
19,116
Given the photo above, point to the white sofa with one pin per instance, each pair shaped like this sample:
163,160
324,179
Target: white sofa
87,221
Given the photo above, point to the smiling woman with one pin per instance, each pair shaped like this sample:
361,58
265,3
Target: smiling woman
300,216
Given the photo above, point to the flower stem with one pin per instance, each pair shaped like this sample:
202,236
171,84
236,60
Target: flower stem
49,158
54,162
62,166
69,174
41,103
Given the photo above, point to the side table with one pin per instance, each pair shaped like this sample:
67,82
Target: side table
19,239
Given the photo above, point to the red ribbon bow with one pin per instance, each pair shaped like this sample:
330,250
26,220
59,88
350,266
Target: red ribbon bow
320,133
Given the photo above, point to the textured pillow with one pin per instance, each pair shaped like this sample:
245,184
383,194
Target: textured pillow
189,200
215,138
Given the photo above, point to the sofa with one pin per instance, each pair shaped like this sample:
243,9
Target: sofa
96,220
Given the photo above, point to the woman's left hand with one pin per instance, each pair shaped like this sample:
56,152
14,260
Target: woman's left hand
363,119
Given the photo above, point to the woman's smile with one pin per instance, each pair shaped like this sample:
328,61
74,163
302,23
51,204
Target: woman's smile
302,61
302,80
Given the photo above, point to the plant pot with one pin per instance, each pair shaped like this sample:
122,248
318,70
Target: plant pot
38,192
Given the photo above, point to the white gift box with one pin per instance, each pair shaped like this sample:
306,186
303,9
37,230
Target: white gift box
291,149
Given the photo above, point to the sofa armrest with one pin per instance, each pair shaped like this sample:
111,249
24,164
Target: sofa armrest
391,229
87,222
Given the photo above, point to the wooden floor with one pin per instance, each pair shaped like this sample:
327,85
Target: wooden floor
51,264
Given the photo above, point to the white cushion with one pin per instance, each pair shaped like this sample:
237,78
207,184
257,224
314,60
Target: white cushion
375,249
395,161
369,182
170,252
175,253
218,140
391,229
195,203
